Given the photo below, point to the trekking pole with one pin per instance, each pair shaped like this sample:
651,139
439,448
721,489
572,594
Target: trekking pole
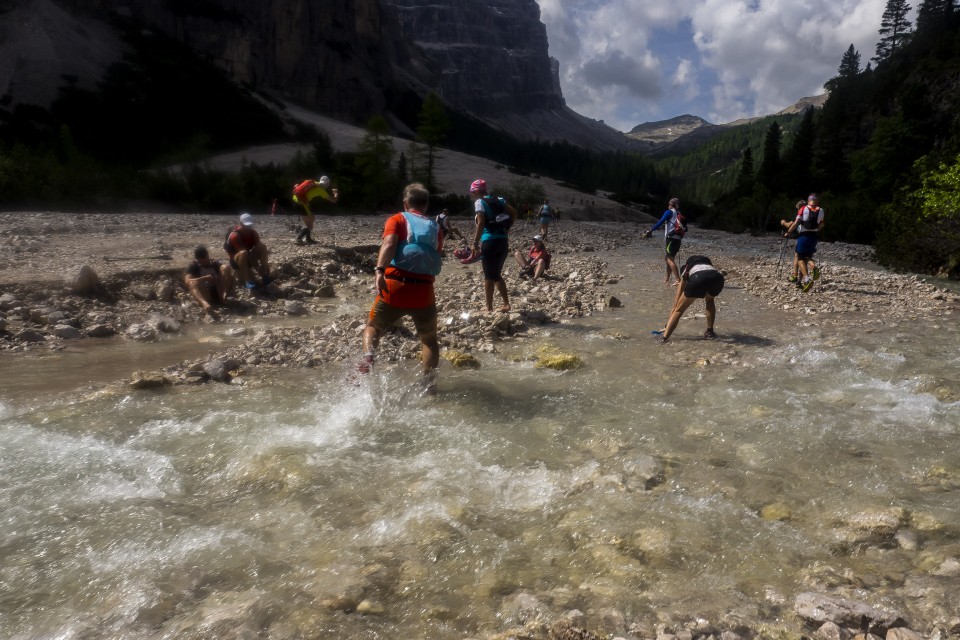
783,247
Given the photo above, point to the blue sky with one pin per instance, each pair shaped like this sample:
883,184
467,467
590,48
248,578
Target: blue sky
633,61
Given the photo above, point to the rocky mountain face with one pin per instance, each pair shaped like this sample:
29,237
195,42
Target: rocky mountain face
491,55
43,45
349,59
337,56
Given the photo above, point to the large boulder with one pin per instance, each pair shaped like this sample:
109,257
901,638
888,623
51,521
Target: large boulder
221,369
85,281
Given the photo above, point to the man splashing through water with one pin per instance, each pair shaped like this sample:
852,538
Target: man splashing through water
407,265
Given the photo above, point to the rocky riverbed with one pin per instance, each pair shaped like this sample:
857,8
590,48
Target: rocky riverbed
49,301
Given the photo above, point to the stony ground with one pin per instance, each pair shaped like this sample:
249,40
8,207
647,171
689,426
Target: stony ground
136,289
137,294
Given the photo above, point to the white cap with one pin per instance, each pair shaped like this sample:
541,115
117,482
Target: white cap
538,237
324,181
246,220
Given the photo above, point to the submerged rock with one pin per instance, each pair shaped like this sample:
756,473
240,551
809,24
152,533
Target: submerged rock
552,358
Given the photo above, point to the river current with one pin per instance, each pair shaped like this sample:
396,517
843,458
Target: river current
705,479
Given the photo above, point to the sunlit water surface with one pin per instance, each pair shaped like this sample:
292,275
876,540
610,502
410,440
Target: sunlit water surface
127,514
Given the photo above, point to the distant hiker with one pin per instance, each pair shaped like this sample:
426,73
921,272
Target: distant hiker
700,279
785,224
407,265
808,223
546,217
208,281
303,194
537,260
247,253
494,218
448,229
675,226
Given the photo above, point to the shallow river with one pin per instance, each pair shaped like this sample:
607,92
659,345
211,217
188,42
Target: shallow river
288,502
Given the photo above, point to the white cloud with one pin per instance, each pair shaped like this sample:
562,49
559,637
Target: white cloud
745,58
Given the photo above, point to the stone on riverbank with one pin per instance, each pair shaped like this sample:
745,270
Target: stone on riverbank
84,282
819,608
149,380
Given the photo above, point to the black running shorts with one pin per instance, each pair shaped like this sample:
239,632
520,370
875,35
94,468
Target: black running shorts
704,282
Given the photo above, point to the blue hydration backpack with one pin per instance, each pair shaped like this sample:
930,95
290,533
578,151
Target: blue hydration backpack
419,251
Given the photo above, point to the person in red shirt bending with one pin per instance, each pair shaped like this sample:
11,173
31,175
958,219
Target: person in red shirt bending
408,262
536,262
247,253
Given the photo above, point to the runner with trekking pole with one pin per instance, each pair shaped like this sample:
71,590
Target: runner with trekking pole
809,223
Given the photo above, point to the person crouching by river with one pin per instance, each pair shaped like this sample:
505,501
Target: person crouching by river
209,281
699,280
494,218
247,253
407,265
536,262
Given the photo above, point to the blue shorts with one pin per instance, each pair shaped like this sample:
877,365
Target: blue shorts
545,219
806,246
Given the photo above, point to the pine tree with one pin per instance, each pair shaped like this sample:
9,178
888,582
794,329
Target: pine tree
769,172
798,159
745,174
375,159
848,70
932,15
432,129
894,29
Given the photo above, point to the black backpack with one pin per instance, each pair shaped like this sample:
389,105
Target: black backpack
809,218
495,212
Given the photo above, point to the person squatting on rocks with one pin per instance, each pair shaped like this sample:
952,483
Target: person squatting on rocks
546,217
448,229
536,262
247,253
785,224
808,223
494,218
700,279
208,281
674,227
407,265
303,194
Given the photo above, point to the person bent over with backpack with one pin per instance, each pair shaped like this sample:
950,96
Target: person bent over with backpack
808,223
247,253
303,194
494,218
700,279
674,227
407,265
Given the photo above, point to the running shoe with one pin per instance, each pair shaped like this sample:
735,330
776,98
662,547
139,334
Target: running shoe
251,285
816,273
792,279
806,284
709,335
